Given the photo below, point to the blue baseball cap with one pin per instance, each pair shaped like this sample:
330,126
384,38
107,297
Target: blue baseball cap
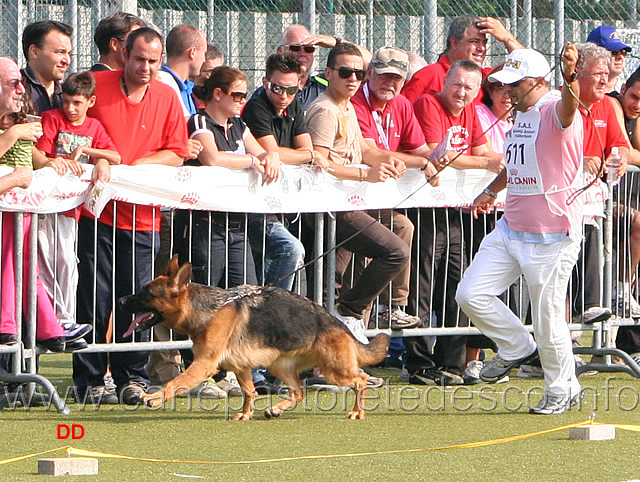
607,37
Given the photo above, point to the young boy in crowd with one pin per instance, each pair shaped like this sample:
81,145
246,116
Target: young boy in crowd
70,140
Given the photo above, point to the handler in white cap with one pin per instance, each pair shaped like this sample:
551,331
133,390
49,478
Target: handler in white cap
539,234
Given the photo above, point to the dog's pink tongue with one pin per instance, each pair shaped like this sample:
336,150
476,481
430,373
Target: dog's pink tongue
140,318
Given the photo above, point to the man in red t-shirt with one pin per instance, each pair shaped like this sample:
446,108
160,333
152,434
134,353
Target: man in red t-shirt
144,119
602,131
466,39
439,243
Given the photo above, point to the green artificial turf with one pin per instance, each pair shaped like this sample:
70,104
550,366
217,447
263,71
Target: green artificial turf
408,417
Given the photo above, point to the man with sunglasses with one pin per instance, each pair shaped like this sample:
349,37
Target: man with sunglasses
608,37
539,234
466,39
298,40
276,120
336,134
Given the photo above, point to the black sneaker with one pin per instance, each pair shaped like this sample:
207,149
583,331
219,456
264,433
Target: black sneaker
99,395
132,393
55,344
434,376
266,388
8,339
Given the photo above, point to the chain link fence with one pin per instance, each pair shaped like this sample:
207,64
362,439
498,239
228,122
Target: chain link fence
246,32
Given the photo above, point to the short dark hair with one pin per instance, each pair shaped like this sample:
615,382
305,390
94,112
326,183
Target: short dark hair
34,33
459,26
222,77
147,33
285,63
466,65
181,38
81,83
343,48
633,78
116,26
213,52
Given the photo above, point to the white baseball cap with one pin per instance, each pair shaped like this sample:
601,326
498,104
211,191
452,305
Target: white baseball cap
522,63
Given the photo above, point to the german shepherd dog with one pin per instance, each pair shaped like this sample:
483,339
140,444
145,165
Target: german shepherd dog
251,326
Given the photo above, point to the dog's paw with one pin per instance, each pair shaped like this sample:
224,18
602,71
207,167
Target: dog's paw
356,415
272,412
152,400
242,416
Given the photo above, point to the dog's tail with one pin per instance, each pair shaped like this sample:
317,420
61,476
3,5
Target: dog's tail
374,352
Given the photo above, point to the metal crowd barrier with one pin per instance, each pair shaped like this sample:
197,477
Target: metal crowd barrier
319,283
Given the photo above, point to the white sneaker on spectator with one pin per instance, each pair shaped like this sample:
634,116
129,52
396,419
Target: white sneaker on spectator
596,314
471,373
356,327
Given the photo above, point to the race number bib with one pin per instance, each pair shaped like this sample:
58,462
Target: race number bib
521,160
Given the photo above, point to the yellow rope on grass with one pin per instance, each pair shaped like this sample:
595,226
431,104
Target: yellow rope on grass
91,453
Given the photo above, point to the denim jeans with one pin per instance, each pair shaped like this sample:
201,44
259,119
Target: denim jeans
277,252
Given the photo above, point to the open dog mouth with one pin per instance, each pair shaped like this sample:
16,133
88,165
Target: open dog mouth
143,321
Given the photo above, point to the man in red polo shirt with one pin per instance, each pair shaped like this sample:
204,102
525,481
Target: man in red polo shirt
602,132
144,119
466,39
439,243
387,122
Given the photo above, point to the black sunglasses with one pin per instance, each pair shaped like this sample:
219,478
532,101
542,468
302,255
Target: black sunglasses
297,47
238,96
279,89
346,72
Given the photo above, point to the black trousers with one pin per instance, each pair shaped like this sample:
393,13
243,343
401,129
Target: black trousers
133,253
437,266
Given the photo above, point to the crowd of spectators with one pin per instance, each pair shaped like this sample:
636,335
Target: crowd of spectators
359,118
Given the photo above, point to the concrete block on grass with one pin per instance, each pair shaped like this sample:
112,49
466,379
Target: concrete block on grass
68,466
593,432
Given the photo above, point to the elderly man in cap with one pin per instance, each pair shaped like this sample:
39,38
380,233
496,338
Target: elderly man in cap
388,122
608,37
539,234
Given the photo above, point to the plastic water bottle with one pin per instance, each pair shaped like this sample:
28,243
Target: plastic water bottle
612,166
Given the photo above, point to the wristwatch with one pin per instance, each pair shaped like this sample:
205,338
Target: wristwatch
338,39
489,192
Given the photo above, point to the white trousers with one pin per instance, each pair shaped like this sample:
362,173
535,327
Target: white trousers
58,262
547,269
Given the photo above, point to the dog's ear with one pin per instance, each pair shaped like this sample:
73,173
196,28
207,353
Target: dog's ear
183,277
172,267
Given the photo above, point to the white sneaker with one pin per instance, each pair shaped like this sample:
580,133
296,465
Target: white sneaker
471,373
596,314
530,371
552,405
404,375
356,327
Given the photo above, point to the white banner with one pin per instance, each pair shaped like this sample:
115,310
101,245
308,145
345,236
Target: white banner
298,189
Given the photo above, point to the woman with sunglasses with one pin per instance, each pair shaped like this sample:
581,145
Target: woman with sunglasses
226,142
